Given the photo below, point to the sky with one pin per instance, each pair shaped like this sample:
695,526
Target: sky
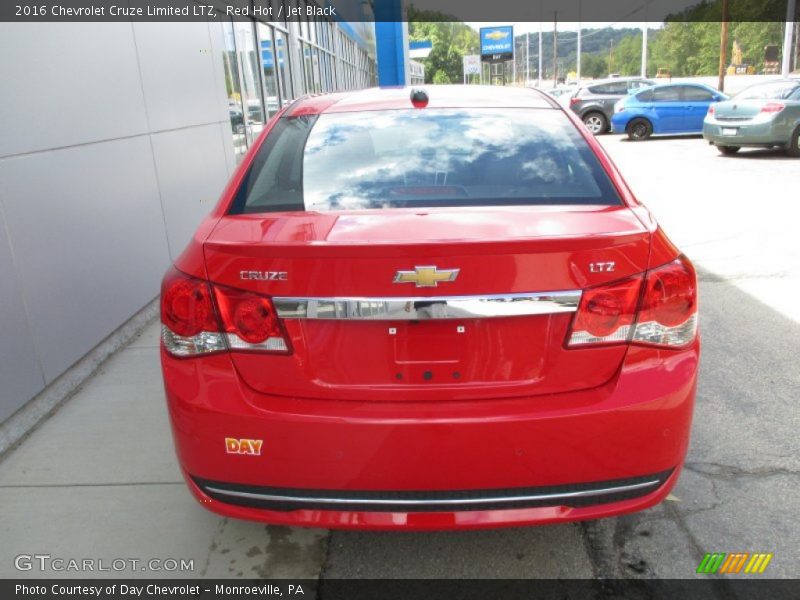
533,27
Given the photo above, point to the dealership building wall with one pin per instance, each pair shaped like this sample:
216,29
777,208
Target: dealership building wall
115,140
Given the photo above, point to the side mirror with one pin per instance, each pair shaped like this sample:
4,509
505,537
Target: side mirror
716,97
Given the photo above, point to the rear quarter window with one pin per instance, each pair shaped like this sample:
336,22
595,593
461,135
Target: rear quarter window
424,158
696,94
601,89
667,94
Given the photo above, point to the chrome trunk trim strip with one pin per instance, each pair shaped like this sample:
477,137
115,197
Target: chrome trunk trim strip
418,308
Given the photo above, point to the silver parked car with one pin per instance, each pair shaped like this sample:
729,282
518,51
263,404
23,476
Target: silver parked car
594,102
766,114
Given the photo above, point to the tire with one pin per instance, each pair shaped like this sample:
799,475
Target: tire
729,150
639,130
794,144
595,122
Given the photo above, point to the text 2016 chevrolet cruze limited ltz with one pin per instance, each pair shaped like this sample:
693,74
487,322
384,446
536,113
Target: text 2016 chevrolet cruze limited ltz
429,309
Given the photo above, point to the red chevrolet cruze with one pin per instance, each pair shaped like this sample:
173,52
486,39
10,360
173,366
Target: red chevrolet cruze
428,309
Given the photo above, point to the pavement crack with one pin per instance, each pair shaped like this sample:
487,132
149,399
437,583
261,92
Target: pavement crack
325,560
720,587
214,545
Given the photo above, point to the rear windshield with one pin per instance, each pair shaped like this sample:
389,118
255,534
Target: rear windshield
423,158
768,91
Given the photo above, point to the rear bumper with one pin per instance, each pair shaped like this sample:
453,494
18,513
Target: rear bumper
562,457
755,134
619,122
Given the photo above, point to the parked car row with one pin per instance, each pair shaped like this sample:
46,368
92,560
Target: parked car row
762,115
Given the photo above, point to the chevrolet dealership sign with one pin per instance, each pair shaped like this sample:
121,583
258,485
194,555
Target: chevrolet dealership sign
497,43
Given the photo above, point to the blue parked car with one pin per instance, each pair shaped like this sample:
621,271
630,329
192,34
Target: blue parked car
667,108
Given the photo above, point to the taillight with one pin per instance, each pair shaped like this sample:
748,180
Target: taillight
250,321
574,100
192,324
606,313
710,109
189,323
668,312
658,309
772,107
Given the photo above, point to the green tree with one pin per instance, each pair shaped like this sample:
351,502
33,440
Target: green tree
594,66
627,56
441,77
451,41
692,48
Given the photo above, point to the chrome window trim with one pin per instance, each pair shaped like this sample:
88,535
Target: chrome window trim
434,501
420,308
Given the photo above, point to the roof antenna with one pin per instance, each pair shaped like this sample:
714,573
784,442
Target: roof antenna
419,97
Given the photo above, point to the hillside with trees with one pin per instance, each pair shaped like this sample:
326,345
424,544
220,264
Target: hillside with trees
684,47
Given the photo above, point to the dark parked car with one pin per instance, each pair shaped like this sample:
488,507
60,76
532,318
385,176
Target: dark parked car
594,102
237,119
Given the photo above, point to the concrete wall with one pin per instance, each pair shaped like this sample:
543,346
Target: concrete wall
115,141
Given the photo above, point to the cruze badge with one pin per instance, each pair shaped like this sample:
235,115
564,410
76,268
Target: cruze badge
264,275
426,276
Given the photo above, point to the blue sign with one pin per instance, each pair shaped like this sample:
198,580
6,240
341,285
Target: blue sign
267,59
420,45
497,43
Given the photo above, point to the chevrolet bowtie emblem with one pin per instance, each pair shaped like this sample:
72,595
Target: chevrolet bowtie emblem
426,276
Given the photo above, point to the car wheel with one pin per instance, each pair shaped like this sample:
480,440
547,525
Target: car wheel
794,144
728,150
639,129
595,122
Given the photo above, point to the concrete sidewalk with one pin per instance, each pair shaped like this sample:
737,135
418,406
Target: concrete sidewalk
99,480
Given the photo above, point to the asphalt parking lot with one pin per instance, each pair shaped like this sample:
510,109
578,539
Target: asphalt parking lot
99,479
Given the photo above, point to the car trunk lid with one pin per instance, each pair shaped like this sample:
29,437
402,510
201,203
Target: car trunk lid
742,110
495,329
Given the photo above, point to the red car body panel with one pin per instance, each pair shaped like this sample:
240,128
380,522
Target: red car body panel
351,410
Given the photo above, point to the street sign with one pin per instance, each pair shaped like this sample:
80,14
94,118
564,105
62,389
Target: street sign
472,65
497,43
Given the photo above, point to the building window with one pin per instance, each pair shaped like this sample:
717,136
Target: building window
268,69
282,42
230,63
268,64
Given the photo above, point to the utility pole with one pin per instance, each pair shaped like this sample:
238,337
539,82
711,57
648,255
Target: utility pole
610,57
539,72
796,44
791,5
527,57
555,49
513,63
644,51
723,46
578,65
